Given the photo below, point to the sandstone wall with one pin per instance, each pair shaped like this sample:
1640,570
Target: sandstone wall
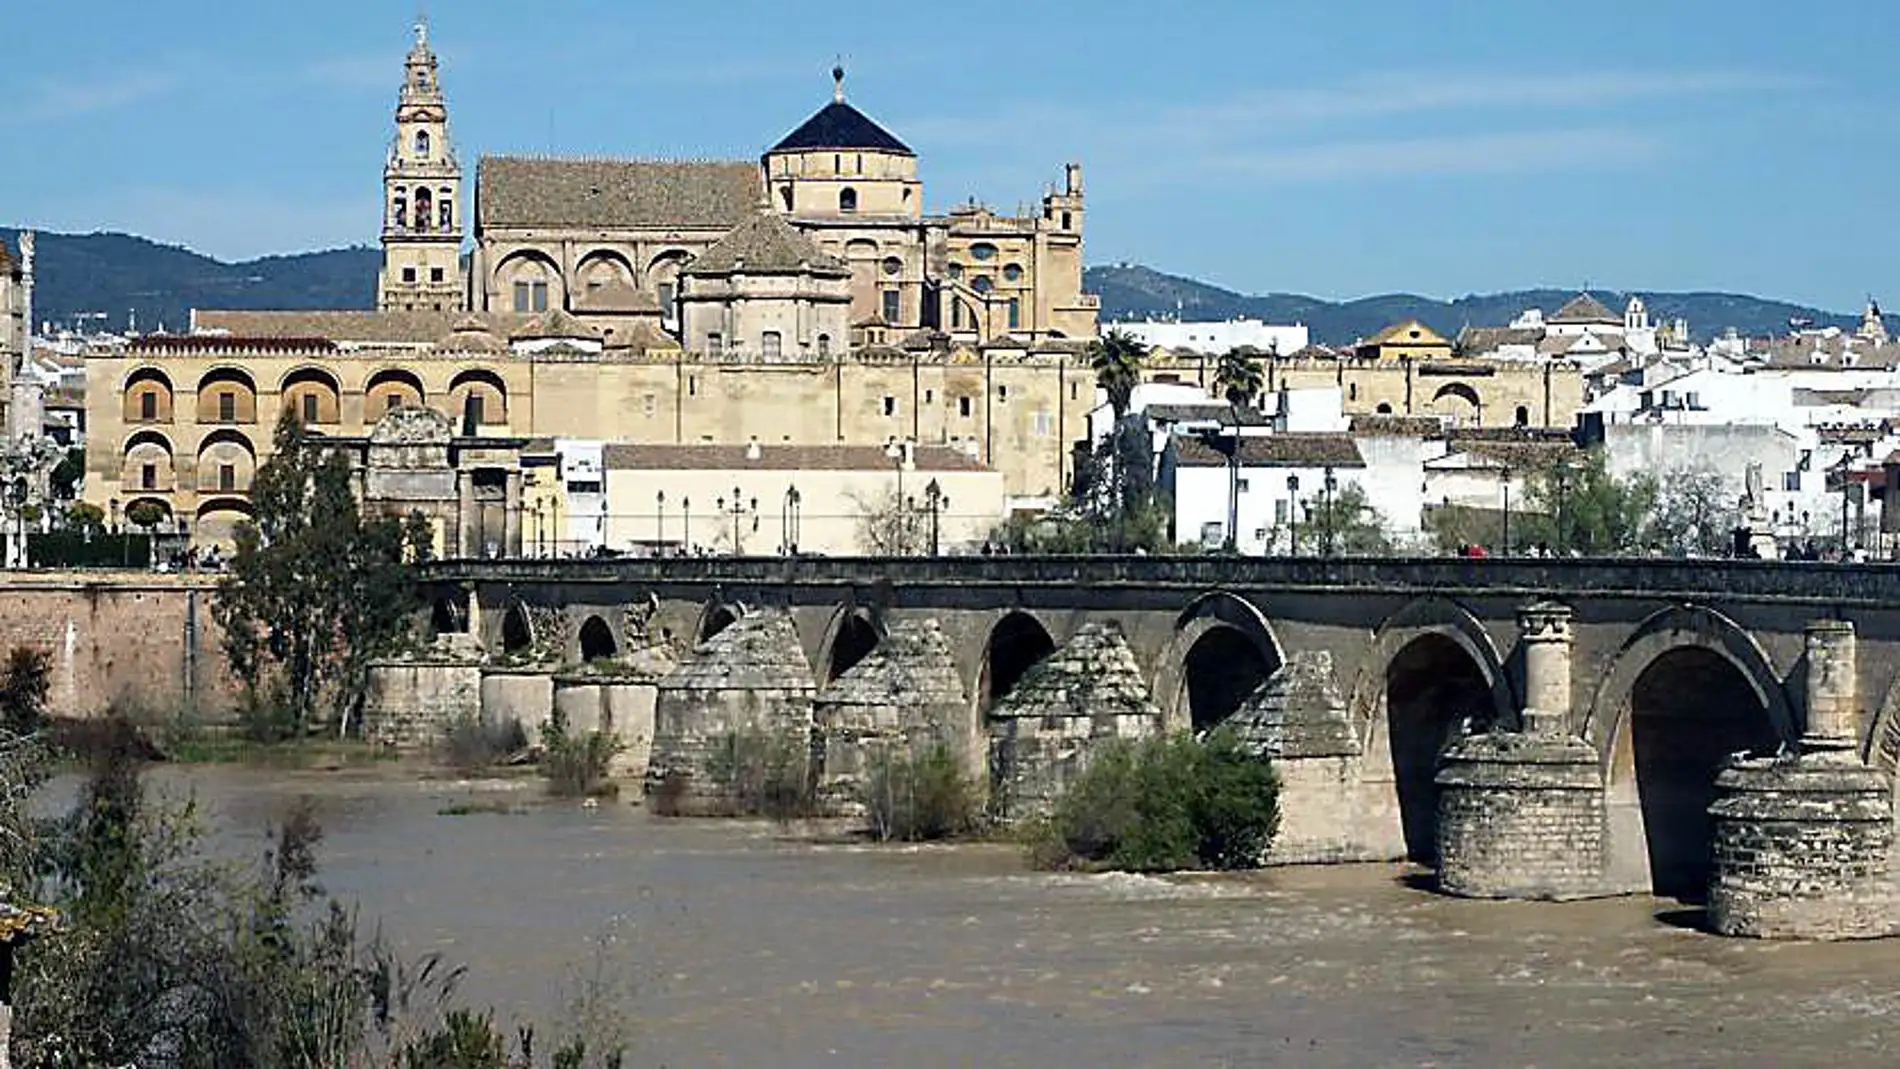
412,705
145,642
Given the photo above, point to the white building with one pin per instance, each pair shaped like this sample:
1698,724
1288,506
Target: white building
1282,478
1216,337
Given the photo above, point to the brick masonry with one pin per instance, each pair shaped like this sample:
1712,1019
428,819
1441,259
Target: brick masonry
1520,816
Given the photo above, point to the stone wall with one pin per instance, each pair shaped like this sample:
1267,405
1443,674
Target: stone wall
523,696
621,708
901,699
411,705
136,640
1520,816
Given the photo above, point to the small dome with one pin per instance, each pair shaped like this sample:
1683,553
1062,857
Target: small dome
470,335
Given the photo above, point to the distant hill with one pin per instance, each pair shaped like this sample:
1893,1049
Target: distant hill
1133,292
118,275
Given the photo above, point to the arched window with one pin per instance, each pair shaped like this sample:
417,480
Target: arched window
1523,416
983,252
771,345
982,284
422,144
824,345
445,207
1013,273
423,205
402,209
847,199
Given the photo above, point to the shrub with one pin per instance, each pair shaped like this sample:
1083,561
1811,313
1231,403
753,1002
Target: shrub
472,745
1163,805
920,798
24,686
762,774
576,765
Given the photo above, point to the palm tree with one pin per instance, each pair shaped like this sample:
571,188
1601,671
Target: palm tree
1238,379
1117,363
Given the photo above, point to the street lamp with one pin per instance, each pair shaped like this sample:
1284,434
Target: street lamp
899,452
686,536
603,521
935,500
788,521
1293,515
659,523
1506,540
738,510
1331,484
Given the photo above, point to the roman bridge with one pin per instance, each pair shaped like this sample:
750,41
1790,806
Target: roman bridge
1354,673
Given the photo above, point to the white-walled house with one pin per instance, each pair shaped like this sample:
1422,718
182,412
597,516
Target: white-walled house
1216,336
1281,477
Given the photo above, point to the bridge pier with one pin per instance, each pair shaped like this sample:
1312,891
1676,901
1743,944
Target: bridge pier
901,700
1521,814
1802,842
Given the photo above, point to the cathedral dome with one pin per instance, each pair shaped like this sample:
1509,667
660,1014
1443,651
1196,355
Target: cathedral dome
471,335
840,127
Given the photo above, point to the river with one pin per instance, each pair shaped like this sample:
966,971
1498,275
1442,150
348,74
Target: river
726,944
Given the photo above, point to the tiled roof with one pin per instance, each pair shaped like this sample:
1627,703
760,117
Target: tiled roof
642,337
1490,339
838,125
1276,451
765,243
471,335
1584,308
556,323
520,192
1211,412
411,328
617,297
638,457
1377,426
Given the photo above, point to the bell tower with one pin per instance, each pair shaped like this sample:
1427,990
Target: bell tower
422,196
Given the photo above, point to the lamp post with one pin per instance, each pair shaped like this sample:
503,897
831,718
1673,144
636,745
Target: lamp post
788,521
899,452
125,552
686,522
1845,472
1331,484
1505,549
659,523
738,510
935,501
1293,515
1563,494
603,521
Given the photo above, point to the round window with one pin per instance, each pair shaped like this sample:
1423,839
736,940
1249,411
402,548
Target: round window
893,266
983,252
1013,273
981,284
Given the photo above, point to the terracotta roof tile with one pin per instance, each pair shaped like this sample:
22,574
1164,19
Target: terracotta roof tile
1584,308
514,191
1276,451
1379,426
617,297
764,244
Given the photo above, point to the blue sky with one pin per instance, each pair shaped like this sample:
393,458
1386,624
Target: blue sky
1340,149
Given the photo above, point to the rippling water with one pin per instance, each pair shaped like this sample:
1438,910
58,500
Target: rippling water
729,946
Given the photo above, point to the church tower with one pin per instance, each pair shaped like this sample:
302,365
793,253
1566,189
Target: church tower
422,197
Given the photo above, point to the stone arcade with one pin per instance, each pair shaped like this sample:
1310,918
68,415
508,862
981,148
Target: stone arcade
1531,729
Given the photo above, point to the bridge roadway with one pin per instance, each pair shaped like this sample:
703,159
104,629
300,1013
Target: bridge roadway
1674,664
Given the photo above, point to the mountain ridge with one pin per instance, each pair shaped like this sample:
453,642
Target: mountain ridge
110,277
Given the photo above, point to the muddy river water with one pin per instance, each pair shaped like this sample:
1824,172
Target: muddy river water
730,945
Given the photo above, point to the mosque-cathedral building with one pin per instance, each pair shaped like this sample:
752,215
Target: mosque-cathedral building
805,299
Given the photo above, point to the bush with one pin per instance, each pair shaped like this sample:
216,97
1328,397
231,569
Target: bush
920,798
1164,805
472,745
760,774
576,765
24,686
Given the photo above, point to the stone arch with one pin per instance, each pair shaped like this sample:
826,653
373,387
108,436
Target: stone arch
1457,625
596,640
534,268
227,395
219,517
148,382
481,393
1017,642
1459,390
227,462
602,267
1223,649
1881,749
517,629
849,638
390,389
314,396
716,617
149,463
1688,689
448,614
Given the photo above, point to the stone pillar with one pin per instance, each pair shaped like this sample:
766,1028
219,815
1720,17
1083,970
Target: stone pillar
511,514
1801,843
1544,631
1520,814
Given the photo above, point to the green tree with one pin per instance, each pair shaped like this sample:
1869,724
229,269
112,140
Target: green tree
1238,379
1116,360
1581,507
315,590
1125,456
1348,524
